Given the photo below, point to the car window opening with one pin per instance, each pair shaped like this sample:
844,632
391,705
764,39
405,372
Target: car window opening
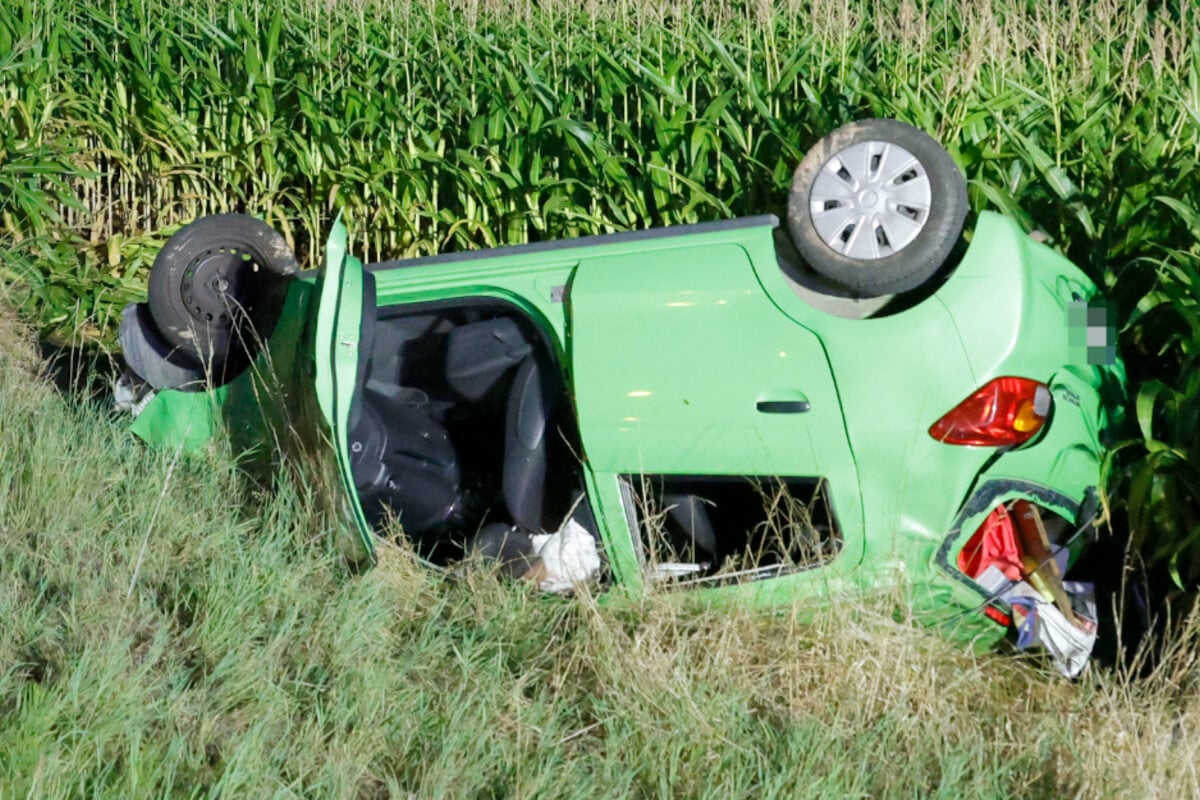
462,421
1019,557
729,529
1013,532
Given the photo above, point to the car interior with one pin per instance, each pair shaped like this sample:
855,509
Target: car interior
727,529
462,420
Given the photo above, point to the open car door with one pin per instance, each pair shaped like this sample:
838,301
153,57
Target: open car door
346,303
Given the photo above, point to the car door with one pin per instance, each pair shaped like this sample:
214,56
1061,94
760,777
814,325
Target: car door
345,301
683,367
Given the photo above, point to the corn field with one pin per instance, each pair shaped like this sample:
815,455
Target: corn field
438,125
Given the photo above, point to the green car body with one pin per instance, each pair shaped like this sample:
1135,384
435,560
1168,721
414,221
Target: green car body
680,348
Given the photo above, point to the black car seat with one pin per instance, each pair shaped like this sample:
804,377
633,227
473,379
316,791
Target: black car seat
401,457
688,514
542,482
479,354
530,403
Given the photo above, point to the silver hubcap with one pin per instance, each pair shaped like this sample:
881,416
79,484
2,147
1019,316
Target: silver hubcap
870,200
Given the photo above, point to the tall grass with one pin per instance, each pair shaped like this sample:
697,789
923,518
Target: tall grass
172,630
450,124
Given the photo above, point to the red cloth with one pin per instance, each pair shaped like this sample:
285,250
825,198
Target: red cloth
994,543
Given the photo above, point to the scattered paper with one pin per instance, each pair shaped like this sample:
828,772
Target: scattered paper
1068,642
1039,621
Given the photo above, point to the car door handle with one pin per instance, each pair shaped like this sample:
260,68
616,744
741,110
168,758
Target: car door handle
782,401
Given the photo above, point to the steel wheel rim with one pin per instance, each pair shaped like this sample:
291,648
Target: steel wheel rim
870,200
211,284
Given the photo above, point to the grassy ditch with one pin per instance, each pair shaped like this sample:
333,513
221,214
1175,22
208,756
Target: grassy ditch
172,629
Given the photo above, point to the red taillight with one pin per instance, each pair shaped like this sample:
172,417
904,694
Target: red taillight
1005,411
997,616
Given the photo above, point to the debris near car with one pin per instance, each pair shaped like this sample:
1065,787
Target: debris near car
1012,557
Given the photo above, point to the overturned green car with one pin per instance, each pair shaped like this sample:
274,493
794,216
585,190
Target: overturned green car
847,403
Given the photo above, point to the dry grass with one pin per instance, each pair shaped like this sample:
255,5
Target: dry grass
1140,736
248,660
18,346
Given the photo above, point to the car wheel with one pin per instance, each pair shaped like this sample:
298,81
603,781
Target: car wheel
152,358
877,206
217,286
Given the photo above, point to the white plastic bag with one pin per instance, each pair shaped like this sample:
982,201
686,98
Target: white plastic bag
568,556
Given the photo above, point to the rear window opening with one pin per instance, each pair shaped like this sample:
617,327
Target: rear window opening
1019,556
1011,539
461,420
729,529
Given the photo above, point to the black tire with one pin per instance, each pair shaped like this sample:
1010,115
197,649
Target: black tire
896,169
152,359
217,287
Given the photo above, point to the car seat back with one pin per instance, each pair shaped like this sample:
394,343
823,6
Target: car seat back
530,403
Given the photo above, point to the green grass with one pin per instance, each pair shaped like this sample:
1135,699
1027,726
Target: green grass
172,629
